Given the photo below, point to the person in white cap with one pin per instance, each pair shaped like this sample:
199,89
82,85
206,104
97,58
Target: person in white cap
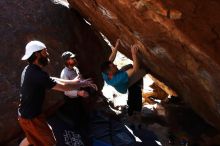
34,83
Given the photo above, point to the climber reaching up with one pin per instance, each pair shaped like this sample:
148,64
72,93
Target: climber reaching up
119,79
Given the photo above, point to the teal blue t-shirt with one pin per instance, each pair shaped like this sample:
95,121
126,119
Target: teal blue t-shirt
119,81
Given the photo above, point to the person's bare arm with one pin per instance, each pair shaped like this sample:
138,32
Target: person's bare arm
66,81
68,85
114,51
131,71
134,51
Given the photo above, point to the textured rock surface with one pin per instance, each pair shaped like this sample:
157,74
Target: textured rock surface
179,39
61,29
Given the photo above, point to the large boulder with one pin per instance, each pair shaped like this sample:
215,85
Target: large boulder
61,29
179,40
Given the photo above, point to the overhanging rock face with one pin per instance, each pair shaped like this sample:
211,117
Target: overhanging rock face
180,43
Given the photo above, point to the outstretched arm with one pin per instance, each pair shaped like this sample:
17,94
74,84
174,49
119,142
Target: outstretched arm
67,85
134,50
75,92
137,71
114,51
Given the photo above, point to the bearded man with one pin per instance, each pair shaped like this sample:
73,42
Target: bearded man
34,84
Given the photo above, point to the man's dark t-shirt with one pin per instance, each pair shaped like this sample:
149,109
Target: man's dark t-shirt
34,84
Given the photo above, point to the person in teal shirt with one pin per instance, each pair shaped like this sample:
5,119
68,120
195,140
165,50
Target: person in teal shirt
120,79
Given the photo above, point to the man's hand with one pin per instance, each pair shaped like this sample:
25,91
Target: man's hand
114,51
83,93
117,43
115,48
88,83
76,79
134,49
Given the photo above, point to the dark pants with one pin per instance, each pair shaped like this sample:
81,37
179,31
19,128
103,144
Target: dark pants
135,97
74,110
76,115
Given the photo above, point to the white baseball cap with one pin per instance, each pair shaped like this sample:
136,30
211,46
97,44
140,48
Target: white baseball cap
31,47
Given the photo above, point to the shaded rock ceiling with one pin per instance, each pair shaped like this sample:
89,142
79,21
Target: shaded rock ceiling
180,43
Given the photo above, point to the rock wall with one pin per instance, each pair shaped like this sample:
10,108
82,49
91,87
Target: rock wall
60,29
179,39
